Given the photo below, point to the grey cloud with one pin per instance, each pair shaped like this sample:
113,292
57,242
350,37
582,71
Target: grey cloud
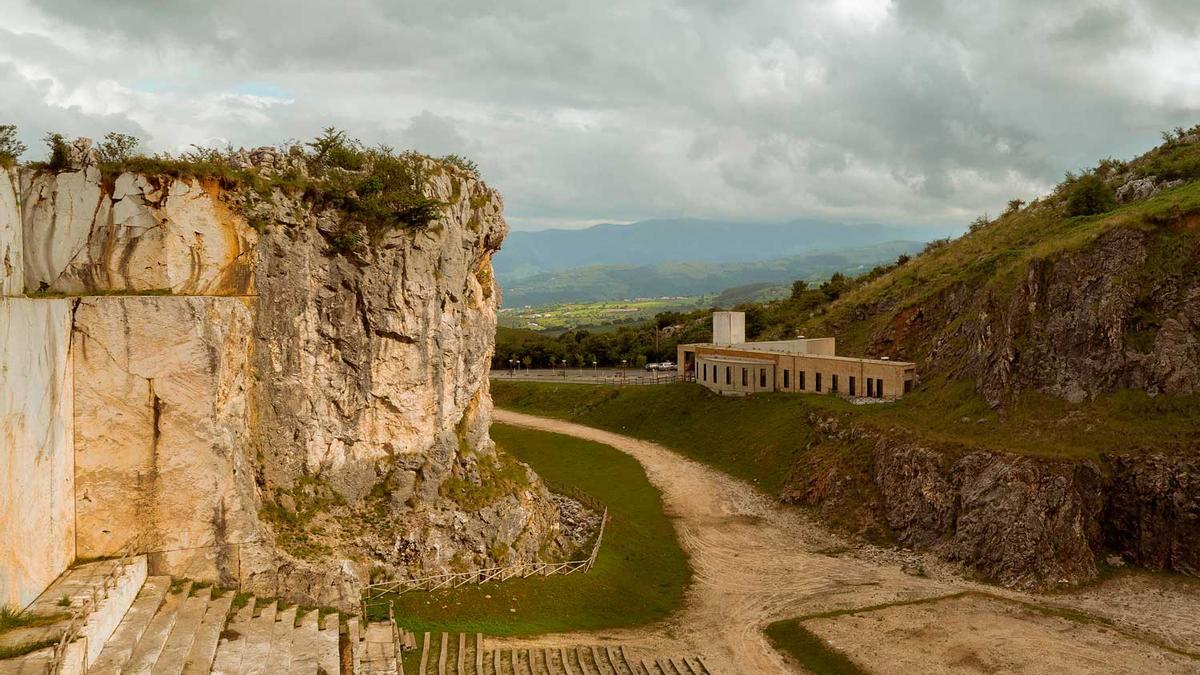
628,109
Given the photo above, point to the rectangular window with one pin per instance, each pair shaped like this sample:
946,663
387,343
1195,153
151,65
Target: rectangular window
833,383
879,388
907,386
870,387
704,376
818,382
728,375
801,374
745,378
851,385
786,384
762,379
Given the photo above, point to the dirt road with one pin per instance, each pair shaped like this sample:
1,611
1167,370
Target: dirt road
757,562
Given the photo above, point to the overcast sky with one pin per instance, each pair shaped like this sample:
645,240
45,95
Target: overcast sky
898,111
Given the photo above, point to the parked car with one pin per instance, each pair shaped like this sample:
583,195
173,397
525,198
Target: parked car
651,366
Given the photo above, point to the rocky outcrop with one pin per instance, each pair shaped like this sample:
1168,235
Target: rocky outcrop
1024,522
141,234
325,424
1153,511
1121,312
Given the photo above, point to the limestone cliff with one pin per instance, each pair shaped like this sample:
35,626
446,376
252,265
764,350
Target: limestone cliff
264,404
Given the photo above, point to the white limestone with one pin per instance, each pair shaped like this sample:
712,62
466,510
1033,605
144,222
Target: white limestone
12,265
161,426
37,528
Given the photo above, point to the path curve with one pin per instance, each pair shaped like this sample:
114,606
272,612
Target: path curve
755,562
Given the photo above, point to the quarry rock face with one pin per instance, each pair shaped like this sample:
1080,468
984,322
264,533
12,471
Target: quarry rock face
262,409
12,264
37,502
1024,522
142,234
162,424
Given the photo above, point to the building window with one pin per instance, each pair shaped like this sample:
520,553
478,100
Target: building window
801,374
728,375
833,383
870,388
786,384
907,386
704,375
879,388
762,379
745,378
851,385
818,382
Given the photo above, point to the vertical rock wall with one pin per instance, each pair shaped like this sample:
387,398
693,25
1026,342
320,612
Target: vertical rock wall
162,424
12,265
37,497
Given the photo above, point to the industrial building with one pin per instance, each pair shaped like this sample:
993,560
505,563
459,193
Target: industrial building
734,367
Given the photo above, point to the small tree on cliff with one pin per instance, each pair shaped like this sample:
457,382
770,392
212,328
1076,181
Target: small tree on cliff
10,147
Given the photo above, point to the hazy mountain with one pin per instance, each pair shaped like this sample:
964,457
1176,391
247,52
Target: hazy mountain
651,242
610,282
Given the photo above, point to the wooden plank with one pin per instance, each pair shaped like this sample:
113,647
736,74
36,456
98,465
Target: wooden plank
462,653
566,663
479,654
424,655
442,654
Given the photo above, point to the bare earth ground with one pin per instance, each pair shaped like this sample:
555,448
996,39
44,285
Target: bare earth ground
989,635
757,562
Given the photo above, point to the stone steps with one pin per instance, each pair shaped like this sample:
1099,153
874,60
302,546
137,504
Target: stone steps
107,587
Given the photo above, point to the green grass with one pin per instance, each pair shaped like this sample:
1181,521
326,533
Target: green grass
686,417
760,438
808,650
13,651
639,576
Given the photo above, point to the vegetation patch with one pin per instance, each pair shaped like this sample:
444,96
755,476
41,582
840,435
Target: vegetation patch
639,576
493,479
812,653
375,189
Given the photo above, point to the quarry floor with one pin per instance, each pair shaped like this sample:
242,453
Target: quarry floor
757,562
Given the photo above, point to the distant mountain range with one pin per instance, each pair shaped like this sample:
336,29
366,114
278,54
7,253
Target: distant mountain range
690,240
609,282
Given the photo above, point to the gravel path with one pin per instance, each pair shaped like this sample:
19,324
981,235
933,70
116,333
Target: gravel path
757,562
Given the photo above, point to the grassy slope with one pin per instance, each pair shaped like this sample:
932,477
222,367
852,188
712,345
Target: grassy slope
639,576
997,256
759,438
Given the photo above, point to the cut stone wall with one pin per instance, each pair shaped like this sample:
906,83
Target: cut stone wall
37,495
162,427
12,272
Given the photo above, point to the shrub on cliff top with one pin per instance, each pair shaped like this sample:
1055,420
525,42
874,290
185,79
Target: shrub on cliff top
10,147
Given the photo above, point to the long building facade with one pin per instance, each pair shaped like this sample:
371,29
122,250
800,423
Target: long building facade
732,366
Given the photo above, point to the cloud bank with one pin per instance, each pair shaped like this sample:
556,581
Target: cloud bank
899,111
